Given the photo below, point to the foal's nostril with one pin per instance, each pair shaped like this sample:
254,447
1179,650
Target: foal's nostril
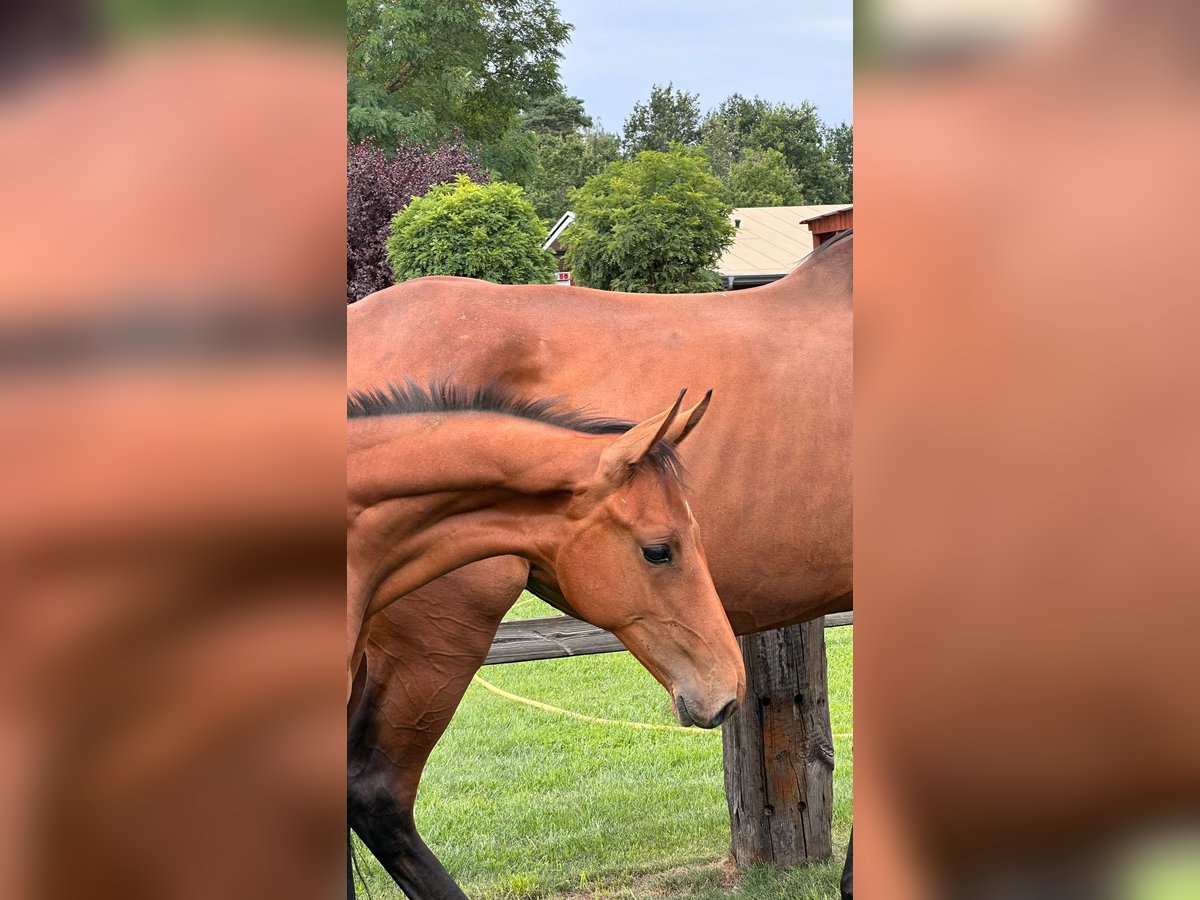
726,711
687,718
685,715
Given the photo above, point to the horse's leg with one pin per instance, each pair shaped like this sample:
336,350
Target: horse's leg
848,870
421,654
357,599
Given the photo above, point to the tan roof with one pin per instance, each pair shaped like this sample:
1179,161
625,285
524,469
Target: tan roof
770,239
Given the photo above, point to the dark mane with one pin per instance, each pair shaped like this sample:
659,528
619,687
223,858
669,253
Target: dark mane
845,233
817,252
412,398
824,248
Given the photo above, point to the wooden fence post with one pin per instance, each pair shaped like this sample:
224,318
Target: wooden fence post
779,751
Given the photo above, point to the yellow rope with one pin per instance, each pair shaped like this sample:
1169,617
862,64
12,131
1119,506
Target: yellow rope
546,707
521,603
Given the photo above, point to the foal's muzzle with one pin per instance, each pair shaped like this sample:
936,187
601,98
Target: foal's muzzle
689,717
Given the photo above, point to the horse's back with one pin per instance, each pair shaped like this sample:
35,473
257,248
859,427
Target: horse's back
779,359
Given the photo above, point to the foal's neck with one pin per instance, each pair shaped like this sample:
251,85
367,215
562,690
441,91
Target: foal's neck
393,457
431,492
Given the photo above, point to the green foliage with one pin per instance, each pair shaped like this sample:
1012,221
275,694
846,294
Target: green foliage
721,144
818,154
565,162
480,231
548,151
513,156
796,133
557,114
418,69
763,178
654,224
670,117
839,140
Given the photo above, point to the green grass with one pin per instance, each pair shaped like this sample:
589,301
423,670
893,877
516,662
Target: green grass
518,802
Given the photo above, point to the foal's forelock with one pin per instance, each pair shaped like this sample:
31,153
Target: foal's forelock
662,462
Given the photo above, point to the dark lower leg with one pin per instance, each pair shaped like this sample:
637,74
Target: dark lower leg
391,835
848,870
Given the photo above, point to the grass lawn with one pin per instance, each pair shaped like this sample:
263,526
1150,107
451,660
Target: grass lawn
520,802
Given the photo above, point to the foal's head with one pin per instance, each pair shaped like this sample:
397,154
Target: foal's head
632,562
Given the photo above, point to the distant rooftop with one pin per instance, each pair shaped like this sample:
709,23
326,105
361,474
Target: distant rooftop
771,239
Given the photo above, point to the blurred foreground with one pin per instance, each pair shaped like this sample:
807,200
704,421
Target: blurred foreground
171,381
1028,495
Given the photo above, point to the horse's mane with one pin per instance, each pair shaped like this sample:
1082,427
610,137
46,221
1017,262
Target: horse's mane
820,251
411,398
841,235
814,257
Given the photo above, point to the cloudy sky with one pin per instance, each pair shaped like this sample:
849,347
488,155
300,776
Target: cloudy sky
784,51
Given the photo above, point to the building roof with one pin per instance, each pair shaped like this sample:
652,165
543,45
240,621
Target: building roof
564,221
771,239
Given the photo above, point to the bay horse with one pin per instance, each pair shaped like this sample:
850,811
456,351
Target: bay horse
445,476
771,484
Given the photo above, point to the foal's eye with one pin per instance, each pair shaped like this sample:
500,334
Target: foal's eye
658,554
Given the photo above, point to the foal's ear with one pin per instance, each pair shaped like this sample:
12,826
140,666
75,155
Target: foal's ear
687,420
631,447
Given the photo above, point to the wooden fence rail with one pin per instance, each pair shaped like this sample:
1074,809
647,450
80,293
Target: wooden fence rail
555,637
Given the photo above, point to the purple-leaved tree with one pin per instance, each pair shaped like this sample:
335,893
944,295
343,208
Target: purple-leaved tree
377,188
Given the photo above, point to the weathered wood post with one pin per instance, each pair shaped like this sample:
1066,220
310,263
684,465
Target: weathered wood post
779,751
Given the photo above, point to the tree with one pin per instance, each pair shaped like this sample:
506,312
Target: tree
416,69
513,156
798,133
763,178
565,162
480,231
840,141
738,114
654,224
670,117
557,114
795,131
722,145
379,186
517,154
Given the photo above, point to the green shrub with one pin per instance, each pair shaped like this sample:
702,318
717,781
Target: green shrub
656,223
487,231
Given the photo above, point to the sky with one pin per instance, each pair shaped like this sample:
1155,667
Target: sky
783,51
